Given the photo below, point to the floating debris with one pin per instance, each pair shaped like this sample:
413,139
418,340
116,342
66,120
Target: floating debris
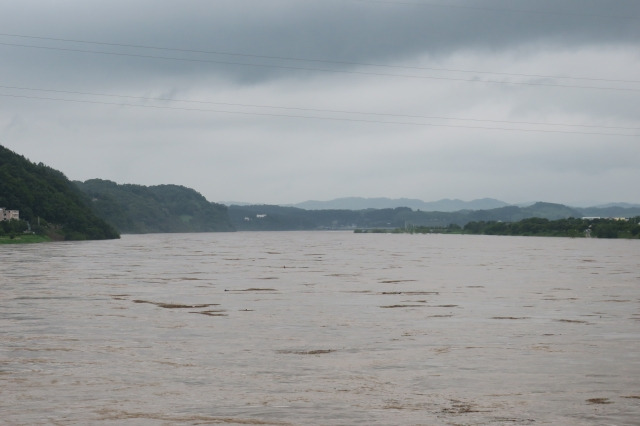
402,306
599,401
572,321
461,407
510,318
219,313
176,305
312,352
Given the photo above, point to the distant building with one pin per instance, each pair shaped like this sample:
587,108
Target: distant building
625,219
9,214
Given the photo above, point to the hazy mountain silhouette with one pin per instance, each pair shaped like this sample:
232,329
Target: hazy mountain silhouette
361,203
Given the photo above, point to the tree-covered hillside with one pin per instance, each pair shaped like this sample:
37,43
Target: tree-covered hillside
138,209
48,201
272,218
277,218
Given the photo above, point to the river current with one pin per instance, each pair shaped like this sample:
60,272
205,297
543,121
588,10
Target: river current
321,328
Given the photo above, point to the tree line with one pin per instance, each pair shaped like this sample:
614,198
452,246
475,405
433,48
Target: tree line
535,226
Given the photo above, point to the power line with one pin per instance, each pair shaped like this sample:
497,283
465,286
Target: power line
288,58
314,117
495,9
378,74
333,111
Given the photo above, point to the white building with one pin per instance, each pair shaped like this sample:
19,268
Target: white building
9,214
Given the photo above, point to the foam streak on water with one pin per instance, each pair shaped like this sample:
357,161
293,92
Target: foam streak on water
320,328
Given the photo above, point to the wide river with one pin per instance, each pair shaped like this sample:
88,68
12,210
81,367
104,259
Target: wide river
321,328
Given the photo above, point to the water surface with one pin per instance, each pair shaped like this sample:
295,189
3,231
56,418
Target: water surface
321,328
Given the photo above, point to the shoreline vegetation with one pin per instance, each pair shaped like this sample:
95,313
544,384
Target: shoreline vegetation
531,227
53,208
24,239
49,205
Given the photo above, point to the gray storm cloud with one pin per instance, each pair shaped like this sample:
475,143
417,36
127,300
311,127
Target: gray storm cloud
339,33
300,99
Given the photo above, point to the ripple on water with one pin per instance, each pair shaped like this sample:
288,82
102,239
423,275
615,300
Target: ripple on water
356,329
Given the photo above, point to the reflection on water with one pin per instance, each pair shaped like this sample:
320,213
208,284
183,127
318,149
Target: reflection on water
320,328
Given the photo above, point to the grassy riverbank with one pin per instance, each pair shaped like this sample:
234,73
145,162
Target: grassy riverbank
24,239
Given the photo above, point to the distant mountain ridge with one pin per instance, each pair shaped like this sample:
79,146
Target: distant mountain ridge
52,204
281,218
361,203
614,205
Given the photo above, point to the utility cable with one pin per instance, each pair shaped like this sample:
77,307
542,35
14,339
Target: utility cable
314,117
287,58
378,74
333,111
495,9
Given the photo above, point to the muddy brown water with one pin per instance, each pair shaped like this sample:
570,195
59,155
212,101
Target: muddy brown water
326,328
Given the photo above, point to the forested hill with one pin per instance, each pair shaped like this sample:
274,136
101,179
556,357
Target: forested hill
271,218
48,200
138,209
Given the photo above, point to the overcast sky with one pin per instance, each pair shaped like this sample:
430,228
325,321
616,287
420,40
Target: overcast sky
282,101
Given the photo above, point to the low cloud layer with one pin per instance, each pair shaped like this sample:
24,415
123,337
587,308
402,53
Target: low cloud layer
281,101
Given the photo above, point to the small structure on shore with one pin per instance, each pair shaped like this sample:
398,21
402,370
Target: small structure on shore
9,214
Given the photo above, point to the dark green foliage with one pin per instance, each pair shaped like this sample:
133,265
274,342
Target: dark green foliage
502,219
137,209
571,227
45,195
12,227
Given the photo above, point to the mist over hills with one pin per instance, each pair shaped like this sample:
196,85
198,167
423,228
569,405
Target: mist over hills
173,208
139,209
614,205
271,217
443,205
97,208
361,203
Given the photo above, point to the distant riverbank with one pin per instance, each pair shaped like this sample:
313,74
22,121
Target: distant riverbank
627,228
24,239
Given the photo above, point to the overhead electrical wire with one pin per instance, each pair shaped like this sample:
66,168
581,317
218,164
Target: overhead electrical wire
333,111
315,60
377,74
496,9
305,68
317,117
